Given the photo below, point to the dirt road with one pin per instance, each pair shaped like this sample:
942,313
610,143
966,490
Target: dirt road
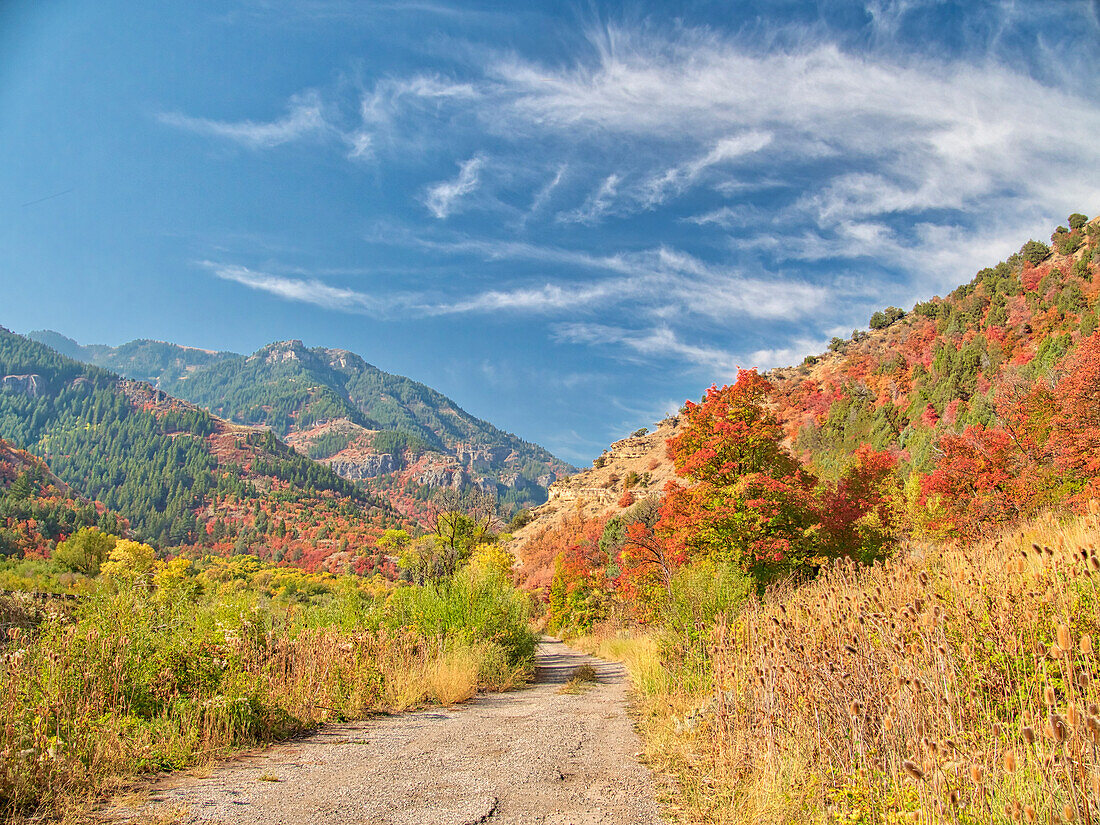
529,756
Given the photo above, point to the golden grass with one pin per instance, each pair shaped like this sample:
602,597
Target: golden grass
951,685
453,676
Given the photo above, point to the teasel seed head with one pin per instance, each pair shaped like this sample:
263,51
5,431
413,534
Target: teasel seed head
1073,715
1057,728
1009,761
1065,638
914,771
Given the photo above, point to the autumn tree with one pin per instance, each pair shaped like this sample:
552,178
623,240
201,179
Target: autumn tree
751,504
1075,431
975,483
85,550
859,511
730,434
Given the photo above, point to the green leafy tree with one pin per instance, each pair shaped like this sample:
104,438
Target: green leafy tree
85,550
1034,252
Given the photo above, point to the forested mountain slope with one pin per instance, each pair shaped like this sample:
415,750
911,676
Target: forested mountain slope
969,386
180,475
951,361
37,509
157,362
392,433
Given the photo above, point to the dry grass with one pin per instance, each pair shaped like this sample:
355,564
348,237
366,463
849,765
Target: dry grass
73,734
951,685
453,678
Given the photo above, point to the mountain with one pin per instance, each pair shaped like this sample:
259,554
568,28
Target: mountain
988,400
156,362
181,476
396,436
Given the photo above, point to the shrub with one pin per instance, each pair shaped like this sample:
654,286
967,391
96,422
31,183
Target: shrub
1068,244
927,309
1077,220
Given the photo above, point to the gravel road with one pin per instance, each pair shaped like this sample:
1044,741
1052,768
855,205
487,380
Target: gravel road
534,755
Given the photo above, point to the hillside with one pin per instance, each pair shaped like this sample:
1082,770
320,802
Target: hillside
181,476
396,436
633,469
37,509
980,400
950,361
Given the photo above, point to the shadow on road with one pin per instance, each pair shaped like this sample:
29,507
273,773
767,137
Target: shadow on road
555,663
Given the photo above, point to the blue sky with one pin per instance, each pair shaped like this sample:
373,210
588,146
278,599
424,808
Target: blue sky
568,217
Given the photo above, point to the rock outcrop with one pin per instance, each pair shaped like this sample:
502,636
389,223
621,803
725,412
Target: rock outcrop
24,384
364,466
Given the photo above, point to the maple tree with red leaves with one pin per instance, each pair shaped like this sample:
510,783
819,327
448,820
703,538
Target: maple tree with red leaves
730,434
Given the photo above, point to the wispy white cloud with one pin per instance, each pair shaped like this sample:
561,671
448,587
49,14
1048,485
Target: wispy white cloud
442,198
542,196
301,290
304,118
676,179
928,135
391,97
728,217
658,342
873,160
659,282
595,205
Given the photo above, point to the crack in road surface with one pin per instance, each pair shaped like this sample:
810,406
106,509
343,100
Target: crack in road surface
534,755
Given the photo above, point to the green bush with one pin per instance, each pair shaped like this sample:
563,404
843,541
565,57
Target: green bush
701,593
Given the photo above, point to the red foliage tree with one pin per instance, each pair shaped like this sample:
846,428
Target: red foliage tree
976,482
858,513
730,434
1075,431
